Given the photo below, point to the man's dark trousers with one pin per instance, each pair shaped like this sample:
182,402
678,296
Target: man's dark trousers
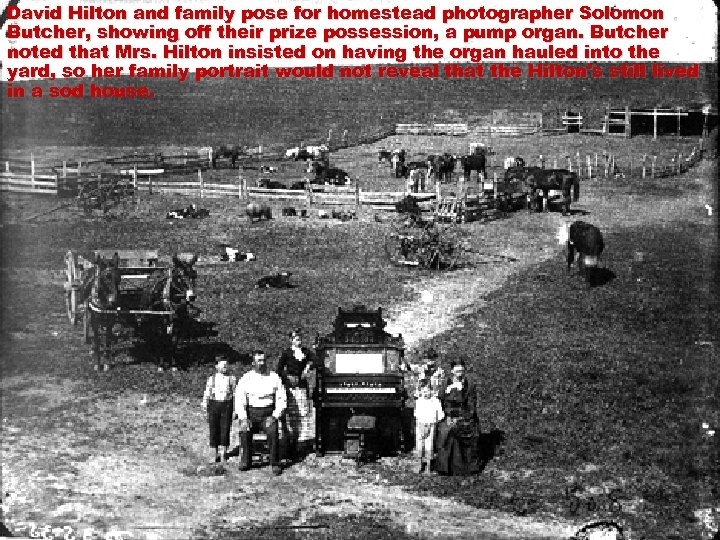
260,419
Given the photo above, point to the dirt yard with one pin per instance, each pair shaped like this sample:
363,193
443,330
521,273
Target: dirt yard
127,450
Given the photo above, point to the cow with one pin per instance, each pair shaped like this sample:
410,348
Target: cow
228,253
385,156
587,240
277,281
329,175
258,211
266,169
233,152
270,184
289,212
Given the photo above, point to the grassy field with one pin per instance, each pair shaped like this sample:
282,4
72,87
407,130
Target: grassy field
601,392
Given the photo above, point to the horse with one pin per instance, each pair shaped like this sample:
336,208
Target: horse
167,289
233,152
442,167
104,296
584,238
537,179
258,211
474,162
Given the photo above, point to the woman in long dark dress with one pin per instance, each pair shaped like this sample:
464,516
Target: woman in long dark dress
293,367
458,436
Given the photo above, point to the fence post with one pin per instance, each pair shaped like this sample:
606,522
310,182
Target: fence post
542,161
78,167
202,184
495,185
7,166
569,163
679,163
644,166
64,173
32,171
357,198
555,162
150,184
134,175
588,161
652,170
607,165
210,157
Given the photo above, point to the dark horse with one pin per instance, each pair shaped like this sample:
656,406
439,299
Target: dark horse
167,290
538,182
587,240
474,162
442,167
104,296
226,151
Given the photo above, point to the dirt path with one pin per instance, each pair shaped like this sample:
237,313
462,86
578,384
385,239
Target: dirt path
136,462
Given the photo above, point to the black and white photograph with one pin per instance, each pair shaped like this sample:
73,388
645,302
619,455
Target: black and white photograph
417,291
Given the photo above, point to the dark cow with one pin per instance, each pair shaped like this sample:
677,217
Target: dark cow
442,167
584,238
270,184
258,211
226,151
277,281
385,156
301,184
329,175
474,162
289,212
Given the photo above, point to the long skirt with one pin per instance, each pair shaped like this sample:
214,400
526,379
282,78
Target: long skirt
299,420
458,447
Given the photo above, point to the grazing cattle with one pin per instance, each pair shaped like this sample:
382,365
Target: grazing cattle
270,184
289,212
385,156
189,212
584,238
277,281
474,162
224,151
258,211
329,175
300,185
323,214
234,254
442,167
303,214
343,215
266,169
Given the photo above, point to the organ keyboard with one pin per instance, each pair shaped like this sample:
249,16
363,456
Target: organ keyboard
358,374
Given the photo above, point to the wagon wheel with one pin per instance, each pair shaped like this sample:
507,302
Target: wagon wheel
71,296
87,326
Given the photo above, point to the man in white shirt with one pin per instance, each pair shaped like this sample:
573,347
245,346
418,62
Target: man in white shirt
260,401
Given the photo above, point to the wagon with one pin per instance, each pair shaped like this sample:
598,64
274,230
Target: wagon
159,326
